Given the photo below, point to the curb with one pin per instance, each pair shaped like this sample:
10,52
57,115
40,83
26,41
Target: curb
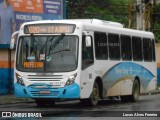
11,99
157,91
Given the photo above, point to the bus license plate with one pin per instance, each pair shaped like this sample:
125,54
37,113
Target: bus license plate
44,92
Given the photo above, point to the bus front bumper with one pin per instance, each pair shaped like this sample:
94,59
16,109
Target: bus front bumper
67,92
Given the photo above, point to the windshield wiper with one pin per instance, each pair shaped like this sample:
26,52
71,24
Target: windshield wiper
57,41
60,51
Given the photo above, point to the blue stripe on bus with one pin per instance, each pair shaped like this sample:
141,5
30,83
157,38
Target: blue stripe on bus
125,70
70,92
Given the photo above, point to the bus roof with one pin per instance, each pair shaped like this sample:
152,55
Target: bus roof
89,21
95,24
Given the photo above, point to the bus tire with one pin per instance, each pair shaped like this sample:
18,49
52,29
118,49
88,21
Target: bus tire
94,98
135,91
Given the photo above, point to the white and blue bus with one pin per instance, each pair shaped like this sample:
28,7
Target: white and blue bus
87,59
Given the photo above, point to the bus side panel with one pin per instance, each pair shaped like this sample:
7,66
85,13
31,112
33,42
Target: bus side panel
152,82
87,81
118,80
152,85
149,83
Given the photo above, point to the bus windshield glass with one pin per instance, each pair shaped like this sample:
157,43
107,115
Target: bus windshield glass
56,53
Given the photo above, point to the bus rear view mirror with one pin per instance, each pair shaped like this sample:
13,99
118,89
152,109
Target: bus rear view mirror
88,41
13,39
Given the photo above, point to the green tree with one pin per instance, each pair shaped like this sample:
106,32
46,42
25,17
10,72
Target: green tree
156,23
111,10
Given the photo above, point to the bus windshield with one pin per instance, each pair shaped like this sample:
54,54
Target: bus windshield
56,53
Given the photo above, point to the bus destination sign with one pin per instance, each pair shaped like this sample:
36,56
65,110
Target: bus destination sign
49,28
33,64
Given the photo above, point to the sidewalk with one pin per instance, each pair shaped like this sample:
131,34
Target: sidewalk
156,91
11,99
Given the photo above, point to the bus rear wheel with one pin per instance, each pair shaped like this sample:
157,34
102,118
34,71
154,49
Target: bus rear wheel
135,93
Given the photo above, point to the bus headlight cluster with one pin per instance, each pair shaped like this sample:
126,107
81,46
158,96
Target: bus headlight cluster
19,80
71,80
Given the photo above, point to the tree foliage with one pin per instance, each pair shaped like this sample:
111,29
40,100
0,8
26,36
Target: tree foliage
111,10
157,23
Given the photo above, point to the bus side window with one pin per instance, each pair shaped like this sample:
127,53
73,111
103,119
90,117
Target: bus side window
114,46
101,50
137,48
126,52
147,49
87,54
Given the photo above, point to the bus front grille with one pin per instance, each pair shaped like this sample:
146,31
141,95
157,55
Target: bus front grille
41,78
43,94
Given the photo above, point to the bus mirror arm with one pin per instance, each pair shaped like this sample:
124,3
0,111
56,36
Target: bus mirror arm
12,43
13,39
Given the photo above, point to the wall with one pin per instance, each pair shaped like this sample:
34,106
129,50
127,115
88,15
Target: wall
6,69
158,61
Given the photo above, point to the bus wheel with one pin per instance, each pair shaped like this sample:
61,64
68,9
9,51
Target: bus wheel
135,91
93,100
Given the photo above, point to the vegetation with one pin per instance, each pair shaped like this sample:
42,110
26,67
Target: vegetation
110,10
156,28
99,9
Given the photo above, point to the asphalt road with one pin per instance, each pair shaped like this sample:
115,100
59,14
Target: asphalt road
113,109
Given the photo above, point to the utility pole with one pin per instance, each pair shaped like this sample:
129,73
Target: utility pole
139,15
142,19
153,16
132,14
144,9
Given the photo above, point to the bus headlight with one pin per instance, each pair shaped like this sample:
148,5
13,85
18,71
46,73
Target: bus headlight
19,80
71,80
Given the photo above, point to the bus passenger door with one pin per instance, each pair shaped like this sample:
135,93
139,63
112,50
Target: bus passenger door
87,75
